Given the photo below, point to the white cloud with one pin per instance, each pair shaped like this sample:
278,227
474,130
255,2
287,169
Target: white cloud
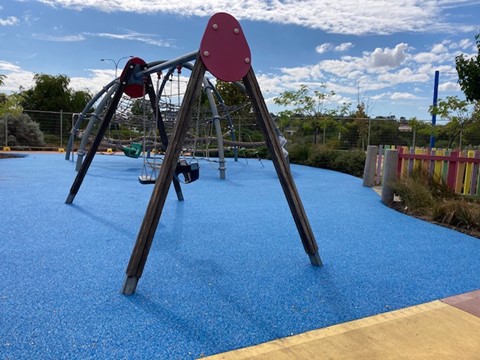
344,46
9,21
93,83
127,35
379,96
389,57
301,72
8,66
465,44
64,38
15,77
439,49
340,16
151,39
425,57
405,75
402,96
321,49
448,86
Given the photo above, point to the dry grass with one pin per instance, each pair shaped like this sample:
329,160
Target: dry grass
434,202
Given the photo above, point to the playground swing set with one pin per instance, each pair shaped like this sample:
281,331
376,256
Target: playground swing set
225,53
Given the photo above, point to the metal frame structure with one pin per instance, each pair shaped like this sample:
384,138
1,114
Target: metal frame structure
107,92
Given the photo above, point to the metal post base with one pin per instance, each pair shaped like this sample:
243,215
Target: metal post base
315,259
129,285
70,198
78,165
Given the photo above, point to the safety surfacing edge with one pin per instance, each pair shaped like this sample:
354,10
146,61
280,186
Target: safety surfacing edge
441,329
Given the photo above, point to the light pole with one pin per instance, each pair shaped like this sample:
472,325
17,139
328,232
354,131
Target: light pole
117,62
116,70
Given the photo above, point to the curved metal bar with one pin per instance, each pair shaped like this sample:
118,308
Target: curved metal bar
157,66
81,117
93,119
218,128
216,121
213,108
228,117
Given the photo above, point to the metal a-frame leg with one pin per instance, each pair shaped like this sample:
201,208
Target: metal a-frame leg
149,225
98,138
296,207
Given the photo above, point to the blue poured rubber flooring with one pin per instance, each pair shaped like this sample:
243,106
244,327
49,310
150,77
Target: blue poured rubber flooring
226,269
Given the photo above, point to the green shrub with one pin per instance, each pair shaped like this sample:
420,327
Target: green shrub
322,157
22,131
299,153
350,162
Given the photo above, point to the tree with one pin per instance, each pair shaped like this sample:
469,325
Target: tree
51,93
10,104
468,70
362,123
421,131
234,98
240,109
459,114
310,105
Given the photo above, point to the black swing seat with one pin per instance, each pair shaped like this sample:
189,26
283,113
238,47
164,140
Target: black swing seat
190,172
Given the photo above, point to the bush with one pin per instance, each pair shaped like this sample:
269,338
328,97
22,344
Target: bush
458,213
22,131
322,157
299,153
433,201
348,162
416,197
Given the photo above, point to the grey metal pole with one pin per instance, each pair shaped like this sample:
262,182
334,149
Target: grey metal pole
389,175
6,132
81,152
61,129
369,170
218,128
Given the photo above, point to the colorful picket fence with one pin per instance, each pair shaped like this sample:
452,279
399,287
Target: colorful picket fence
459,170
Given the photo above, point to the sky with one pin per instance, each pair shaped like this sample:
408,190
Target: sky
383,53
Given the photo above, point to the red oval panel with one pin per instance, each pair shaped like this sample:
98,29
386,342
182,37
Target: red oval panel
224,49
134,88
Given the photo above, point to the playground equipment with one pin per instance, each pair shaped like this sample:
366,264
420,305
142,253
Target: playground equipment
165,112
224,52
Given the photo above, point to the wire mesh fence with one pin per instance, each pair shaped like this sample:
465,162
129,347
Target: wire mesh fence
343,133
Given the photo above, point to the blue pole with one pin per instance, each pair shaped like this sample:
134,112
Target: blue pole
435,98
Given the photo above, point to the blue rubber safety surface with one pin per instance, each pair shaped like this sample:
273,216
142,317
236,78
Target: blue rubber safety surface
226,269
